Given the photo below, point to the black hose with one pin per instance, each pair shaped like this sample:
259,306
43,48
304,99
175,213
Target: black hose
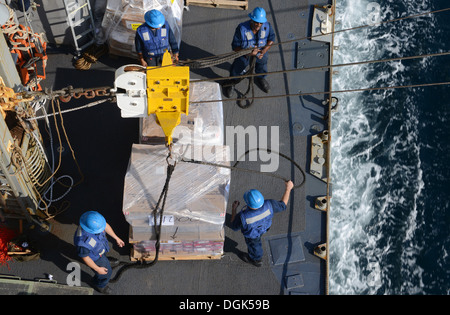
143,263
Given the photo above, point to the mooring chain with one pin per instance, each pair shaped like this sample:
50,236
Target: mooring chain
66,94
69,92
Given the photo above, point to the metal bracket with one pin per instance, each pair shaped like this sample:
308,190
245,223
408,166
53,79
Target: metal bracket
321,251
319,153
321,203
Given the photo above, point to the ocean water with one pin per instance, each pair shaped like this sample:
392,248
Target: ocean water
390,210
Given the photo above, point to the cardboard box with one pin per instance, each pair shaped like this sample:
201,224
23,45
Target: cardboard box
194,214
123,17
181,249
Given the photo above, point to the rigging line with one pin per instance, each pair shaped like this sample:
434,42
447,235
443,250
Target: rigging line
248,75
332,92
157,229
264,97
330,33
243,51
73,109
219,59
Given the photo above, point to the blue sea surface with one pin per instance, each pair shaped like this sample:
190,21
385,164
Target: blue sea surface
390,210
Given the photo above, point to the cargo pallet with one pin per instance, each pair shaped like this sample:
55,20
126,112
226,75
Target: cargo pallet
135,256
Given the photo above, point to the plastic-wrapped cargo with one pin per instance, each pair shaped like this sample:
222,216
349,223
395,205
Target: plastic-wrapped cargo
203,125
123,17
196,203
180,249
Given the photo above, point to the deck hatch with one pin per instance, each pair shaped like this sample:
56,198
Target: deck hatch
286,249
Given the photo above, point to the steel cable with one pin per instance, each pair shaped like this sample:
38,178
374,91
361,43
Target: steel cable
217,59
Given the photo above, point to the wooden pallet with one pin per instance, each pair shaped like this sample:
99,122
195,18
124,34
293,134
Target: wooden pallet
221,4
135,256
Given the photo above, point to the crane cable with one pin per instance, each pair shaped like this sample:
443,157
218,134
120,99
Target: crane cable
333,92
242,99
217,59
142,263
356,63
228,56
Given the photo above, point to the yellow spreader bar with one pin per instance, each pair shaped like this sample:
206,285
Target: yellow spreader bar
168,94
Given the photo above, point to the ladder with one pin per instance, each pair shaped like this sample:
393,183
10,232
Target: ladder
81,22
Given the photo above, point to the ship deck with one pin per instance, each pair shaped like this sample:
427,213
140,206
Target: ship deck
102,142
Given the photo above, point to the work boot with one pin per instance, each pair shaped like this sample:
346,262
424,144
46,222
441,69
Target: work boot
228,90
105,290
262,84
228,87
245,257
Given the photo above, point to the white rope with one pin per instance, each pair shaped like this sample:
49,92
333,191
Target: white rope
53,181
92,104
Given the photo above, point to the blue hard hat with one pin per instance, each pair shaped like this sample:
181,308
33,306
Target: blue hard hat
92,222
254,199
154,18
258,15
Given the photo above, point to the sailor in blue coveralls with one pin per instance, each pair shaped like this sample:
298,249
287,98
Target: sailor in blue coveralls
153,38
257,33
92,246
255,219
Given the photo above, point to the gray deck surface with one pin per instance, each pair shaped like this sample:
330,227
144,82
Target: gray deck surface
102,142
